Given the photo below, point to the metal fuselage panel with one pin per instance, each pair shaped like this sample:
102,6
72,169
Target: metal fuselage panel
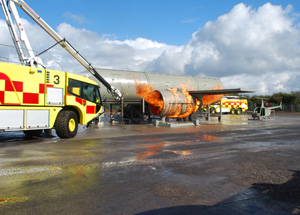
126,82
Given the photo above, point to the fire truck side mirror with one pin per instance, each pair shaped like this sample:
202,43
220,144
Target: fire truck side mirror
104,98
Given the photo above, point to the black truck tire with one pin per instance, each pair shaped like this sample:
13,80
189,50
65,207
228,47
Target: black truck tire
239,111
66,124
212,110
232,111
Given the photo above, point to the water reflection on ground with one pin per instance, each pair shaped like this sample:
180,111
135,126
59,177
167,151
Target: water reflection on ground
160,146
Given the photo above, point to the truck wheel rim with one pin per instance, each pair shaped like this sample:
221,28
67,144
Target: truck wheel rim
72,125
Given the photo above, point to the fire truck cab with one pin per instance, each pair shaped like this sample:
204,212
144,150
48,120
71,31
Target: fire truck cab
230,104
33,99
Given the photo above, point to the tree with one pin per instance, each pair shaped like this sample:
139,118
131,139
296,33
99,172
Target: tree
289,99
285,98
297,94
276,98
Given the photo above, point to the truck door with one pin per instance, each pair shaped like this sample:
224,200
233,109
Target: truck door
86,97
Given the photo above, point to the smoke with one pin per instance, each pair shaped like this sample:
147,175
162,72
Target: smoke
249,48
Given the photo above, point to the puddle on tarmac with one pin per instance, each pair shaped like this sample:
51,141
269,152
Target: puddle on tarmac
81,177
18,137
254,145
13,200
235,119
60,181
162,146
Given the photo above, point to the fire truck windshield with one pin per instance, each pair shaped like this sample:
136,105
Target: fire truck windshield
84,90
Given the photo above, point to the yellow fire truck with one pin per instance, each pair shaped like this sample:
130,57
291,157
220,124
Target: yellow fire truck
230,104
33,98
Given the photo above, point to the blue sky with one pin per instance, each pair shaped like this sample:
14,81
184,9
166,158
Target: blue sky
249,44
165,21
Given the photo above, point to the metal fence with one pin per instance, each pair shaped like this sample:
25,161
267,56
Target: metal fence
291,108
287,108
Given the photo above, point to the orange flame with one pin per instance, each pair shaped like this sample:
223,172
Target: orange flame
209,99
191,107
154,98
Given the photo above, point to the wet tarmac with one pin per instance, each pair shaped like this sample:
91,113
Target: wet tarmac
239,166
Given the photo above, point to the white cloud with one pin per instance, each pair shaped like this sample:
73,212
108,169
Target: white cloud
78,18
286,81
245,44
110,53
248,48
251,41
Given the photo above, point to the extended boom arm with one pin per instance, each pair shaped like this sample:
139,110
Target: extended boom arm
20,40
66,45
